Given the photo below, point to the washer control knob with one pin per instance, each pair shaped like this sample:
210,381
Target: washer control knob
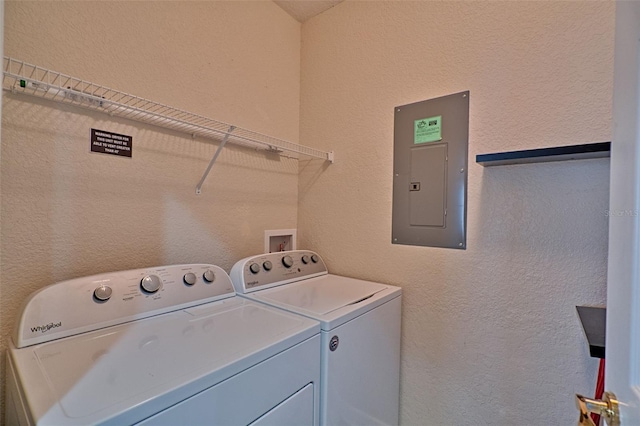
314,258
209,276
151,283
267,265
254,268
102,293
305,259
189,278
287,261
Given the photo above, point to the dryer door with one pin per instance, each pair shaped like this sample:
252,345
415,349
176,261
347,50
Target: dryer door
297,410
282,385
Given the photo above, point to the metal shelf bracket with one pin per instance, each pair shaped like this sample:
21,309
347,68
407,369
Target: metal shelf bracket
213,160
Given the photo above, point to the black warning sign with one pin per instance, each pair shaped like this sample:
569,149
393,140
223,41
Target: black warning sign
111,143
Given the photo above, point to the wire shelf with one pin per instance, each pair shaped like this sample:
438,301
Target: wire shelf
21,77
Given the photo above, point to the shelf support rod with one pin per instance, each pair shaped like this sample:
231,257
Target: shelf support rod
213,160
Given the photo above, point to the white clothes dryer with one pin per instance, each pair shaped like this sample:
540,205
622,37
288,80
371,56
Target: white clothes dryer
360,321
164,346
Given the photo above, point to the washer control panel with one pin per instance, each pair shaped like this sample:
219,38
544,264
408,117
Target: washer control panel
89,303
272,269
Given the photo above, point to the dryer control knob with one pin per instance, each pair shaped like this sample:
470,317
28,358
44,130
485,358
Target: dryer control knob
267,265
102,293
254,268
209,276
151,283
305,259
314,258
287,261
189,278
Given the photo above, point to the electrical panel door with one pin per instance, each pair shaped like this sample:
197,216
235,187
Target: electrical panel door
430,172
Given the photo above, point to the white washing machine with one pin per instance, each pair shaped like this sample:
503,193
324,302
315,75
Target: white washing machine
360,323
164,346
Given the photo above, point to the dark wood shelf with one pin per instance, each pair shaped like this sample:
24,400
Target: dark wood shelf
594,323
542,155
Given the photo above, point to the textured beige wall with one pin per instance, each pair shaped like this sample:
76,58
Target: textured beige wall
67,212
487,330
490,334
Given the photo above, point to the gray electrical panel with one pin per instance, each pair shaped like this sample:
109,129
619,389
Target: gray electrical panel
430,150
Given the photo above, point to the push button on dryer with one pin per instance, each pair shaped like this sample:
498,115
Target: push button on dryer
287,261
254,268
151,283
209,276
189,278
102,293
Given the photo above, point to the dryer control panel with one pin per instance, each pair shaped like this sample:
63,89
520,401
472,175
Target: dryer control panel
272,269
90,303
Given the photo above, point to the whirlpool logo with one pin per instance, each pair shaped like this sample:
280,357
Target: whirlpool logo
46,327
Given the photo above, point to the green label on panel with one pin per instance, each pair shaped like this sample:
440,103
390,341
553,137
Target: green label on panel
427,130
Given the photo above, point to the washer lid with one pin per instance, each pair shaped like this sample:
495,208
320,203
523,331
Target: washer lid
124,373
321,296
331,299
298,281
